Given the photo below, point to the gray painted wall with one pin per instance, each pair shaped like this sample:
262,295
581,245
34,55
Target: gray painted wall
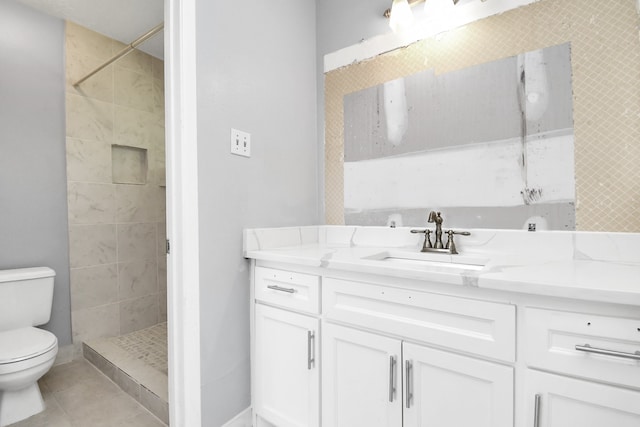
256,65
33,183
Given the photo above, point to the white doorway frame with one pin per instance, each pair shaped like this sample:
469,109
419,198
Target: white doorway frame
183,273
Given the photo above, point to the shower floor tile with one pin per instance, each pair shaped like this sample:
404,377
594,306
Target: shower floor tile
137,362
148,345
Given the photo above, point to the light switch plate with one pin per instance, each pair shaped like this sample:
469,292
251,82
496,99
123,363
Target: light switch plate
240,143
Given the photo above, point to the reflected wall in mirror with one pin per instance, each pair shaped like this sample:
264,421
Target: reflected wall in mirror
491,145
605,59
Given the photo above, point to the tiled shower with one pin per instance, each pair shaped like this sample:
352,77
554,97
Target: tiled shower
116,200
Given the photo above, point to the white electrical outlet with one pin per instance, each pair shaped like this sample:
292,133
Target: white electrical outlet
240,143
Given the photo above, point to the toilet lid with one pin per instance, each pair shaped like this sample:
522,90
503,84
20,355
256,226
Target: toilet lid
25,343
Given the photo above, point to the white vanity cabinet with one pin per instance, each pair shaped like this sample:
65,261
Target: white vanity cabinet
429,386
450,390
361,378
603,351
346,335
376,381
339,349
559,401
286,376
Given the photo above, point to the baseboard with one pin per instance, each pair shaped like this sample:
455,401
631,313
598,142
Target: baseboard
243,419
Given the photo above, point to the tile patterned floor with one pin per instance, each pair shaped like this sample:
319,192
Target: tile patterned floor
78,395
148,345
137,362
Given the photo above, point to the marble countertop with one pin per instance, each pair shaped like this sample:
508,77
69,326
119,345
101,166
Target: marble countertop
585,266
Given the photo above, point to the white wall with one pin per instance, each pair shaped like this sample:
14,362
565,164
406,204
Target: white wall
345,23
256,64
33,187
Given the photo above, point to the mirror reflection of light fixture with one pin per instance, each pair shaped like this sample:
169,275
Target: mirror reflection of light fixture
400,15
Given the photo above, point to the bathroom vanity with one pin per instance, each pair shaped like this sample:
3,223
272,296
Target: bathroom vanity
354,326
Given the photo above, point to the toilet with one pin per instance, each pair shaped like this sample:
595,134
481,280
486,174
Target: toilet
26,352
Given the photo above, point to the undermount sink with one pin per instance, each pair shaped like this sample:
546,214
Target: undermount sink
429,260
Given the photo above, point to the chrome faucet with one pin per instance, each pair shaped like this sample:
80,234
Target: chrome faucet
438,246
435,217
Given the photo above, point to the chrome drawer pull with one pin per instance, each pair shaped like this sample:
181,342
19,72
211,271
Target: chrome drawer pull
408,374
281,289
310,352
392,377
588,349
536,411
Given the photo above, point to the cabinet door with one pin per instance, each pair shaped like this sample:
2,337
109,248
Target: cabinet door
361,384
563,402
287,391
448,390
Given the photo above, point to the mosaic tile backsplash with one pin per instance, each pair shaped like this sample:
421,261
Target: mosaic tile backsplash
605,61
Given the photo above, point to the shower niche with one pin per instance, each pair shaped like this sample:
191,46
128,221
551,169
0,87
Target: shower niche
129,165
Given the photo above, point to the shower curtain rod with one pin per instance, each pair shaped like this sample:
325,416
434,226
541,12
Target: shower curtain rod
137,42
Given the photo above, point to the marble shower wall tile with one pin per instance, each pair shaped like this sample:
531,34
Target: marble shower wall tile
133,89
136,242
96,322
157,170
91,245
137,128
157,68
89,119
138,313
136,60
88,161
138,203
91,203
162,306
158,96
94,286
162,274
137,279
163,203
114,244
162,238
99,86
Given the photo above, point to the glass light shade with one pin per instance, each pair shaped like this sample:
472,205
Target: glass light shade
401,15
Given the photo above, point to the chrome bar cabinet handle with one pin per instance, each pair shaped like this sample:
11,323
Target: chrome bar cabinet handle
310,349
281,289
536,411
392,377
588,349
409,386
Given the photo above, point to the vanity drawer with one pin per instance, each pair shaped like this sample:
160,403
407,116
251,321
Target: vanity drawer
571,343
472,326
297,291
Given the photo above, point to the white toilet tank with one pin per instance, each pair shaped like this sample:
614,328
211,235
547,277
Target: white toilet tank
26,295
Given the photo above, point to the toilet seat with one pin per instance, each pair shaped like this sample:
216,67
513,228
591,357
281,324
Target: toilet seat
21,345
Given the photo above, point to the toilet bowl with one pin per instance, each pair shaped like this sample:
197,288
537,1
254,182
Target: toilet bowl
26,352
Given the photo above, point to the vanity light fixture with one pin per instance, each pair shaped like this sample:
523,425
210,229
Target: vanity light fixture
400,15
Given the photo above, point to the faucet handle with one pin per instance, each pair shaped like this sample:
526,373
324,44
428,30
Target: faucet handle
427,238
450,243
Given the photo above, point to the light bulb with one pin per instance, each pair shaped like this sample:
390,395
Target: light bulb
401,15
